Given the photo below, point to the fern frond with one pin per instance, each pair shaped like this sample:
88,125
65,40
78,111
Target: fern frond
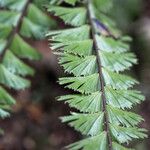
13,47
95,53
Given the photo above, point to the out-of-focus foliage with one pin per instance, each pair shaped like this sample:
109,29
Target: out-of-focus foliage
124,12
19,18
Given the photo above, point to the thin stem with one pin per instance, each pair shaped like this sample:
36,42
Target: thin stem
15,29
96,48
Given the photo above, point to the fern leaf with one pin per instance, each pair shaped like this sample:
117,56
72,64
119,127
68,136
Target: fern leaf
94,52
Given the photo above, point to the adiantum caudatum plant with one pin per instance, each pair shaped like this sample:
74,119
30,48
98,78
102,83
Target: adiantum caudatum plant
93,50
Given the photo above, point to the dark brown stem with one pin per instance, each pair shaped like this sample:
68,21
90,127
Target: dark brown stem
96,48
15,29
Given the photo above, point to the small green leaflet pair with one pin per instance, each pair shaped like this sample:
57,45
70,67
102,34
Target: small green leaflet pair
19,18
103,92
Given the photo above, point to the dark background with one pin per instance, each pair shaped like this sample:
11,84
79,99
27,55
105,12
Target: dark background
34,123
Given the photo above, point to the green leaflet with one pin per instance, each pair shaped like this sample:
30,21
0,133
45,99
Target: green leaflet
36,25
75,16
9,18
11,80
123,98
14,65
19,46
117,62
75,47
41,3
122,117
78,65
30,29
88,124
122,134
103,5
40,18
74,41
5,102
118,81
5,98
116,146
4,114
95,62
110,45
88,84
98,142
2,45
85,103
4,31
13,4
76,34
